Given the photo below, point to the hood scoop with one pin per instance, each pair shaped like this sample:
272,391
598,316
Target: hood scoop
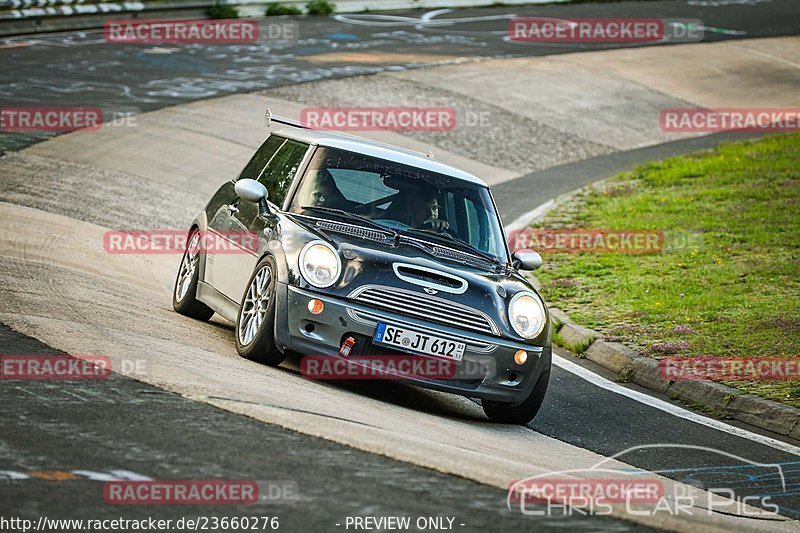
430,279
355,231
462,257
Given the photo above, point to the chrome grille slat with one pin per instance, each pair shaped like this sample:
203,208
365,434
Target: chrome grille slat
409,308
402,300
423,315
426,307
418,303
433,317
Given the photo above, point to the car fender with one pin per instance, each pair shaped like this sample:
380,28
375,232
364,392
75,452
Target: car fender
201,223
274,248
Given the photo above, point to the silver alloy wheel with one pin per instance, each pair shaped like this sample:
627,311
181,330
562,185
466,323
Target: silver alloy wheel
188,267
254,306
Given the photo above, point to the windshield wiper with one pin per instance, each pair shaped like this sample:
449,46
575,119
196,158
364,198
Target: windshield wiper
352,216
465,245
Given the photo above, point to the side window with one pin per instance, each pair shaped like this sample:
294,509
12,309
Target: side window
262,156
280,171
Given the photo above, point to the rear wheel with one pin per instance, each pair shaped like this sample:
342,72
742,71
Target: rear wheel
521,413
255,323
183,297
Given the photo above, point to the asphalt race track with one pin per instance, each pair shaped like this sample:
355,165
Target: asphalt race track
77,68
185,406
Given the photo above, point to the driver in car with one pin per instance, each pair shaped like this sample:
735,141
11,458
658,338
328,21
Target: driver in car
418,209
425,212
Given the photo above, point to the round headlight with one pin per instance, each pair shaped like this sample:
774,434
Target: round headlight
526,314
320,264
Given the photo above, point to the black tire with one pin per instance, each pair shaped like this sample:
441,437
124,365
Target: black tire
258,343
184,293
522,413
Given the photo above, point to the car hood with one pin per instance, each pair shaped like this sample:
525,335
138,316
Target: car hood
405,266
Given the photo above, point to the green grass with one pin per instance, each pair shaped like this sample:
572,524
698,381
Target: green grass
277,9
222,11
727,281
320,7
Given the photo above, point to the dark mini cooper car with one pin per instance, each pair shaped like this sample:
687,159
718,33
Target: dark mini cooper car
364,249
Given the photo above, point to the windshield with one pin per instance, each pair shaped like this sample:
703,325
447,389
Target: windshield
411,200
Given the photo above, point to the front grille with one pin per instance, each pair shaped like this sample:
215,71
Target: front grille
425,307
364,347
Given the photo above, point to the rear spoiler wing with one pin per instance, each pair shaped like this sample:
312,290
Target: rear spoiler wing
269,118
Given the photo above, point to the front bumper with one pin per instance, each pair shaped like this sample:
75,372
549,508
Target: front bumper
501,378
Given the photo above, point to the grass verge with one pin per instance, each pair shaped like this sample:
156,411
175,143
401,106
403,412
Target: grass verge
726,282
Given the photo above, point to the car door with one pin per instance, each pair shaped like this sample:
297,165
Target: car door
275,165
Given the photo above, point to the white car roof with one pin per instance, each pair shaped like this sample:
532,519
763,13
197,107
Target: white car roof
376,149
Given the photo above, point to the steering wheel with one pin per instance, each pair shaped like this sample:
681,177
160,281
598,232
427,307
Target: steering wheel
429,226
392,224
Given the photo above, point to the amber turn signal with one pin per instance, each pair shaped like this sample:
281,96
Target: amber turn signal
315,306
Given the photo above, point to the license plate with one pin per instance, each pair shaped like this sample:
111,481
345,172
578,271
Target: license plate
415,341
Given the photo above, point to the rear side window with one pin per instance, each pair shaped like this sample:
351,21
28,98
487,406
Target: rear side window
275,164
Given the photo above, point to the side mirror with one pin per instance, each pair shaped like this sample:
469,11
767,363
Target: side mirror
253,191
526,260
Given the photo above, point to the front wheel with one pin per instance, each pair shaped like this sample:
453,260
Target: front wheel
183,297
521,413
255,322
